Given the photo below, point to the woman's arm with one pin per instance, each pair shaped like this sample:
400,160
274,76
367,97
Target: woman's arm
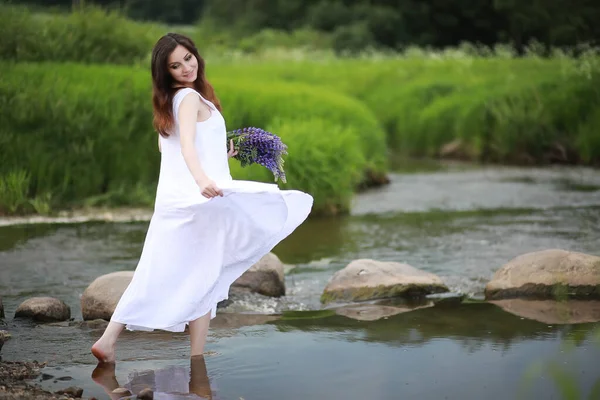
188,114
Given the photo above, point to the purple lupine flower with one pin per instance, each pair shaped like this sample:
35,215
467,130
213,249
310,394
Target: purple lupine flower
255,145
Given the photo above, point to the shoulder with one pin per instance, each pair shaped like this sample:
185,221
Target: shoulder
184,92
187,98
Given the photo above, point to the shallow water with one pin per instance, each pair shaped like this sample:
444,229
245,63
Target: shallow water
470,351
460,223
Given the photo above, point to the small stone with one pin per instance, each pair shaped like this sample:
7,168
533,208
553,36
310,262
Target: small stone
65,378
4,336
446,299
122,392
44,309
146,394
72,391
91,324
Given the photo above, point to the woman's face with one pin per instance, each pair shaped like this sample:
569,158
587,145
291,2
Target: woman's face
182,65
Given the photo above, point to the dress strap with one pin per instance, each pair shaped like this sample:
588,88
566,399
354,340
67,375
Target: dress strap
179,96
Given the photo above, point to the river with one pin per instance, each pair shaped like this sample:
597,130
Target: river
459,222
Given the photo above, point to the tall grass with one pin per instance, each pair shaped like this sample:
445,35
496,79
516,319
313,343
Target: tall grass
501,109
89,35
75,134
84,135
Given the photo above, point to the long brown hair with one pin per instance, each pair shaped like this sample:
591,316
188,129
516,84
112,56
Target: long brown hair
163,89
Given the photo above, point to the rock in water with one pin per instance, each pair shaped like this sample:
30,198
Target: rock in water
122,392
43,309
145,394
547,274
366,279
72,391
100,299
266,277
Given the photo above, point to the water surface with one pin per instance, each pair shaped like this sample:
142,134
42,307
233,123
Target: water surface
460,223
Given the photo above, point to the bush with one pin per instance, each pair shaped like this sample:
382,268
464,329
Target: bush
252,102
88,35
325,159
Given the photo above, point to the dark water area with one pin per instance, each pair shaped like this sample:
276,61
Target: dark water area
459,223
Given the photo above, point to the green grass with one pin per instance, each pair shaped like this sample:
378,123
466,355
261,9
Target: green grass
87,35
77,126
83,134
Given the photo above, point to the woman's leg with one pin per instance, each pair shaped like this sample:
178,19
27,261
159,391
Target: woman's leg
104,348
198,332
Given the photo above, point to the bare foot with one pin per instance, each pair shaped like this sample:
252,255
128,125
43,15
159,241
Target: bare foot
103,352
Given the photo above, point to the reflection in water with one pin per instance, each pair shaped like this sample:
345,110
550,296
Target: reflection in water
471,324
173,382
373,311
552,311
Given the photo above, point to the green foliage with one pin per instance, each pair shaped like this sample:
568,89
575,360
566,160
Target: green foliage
79,131
90,142
271,38
14,186
352,38
89,35
588,138
389,23
256,102
325,158
396,24
498,108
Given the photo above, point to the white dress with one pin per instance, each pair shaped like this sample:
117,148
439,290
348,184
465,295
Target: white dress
195,247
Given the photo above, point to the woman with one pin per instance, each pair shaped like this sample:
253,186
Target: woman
207,229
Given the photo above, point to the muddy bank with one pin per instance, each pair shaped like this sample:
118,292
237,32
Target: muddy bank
14,386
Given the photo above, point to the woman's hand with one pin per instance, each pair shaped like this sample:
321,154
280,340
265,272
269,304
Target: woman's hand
209,189
232,151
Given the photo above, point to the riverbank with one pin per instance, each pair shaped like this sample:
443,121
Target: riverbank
15,378
77,216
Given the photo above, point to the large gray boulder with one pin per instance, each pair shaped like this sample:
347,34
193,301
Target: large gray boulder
547,274
366,279
44,309
100,299
266,277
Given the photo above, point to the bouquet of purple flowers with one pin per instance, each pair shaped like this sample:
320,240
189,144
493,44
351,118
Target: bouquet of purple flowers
255,145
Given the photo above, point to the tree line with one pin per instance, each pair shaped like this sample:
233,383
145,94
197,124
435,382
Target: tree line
384,23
